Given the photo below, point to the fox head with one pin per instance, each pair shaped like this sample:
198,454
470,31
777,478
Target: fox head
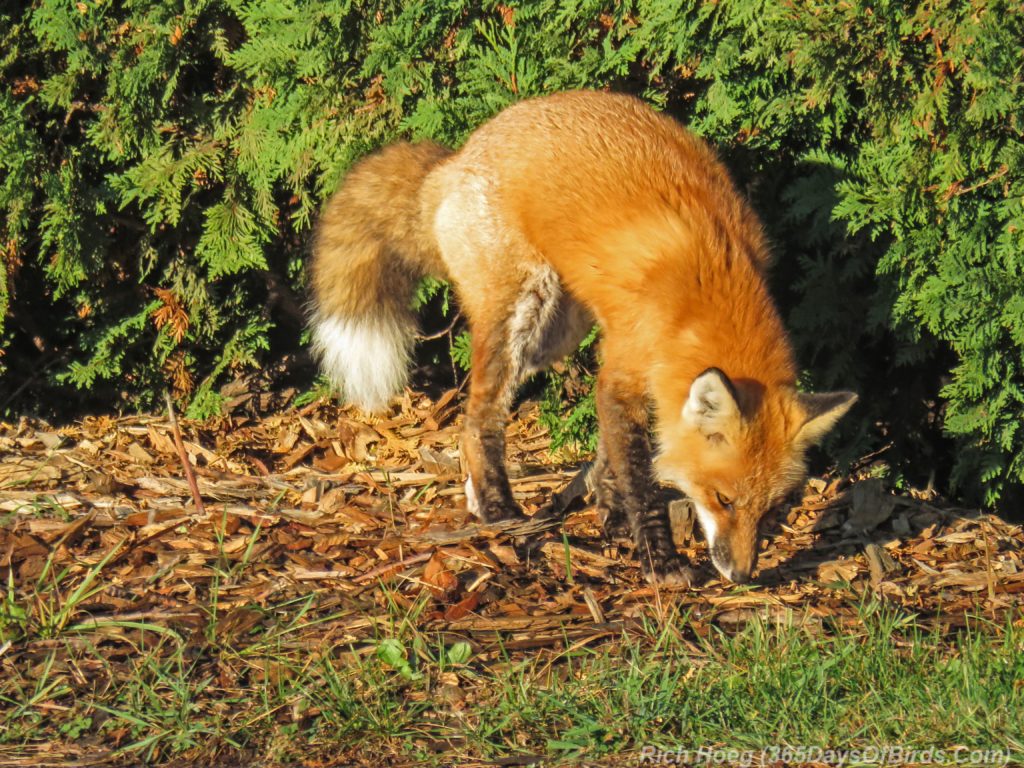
737,450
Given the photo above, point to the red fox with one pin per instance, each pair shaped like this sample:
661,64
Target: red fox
559,212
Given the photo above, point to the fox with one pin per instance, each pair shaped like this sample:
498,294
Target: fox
560,212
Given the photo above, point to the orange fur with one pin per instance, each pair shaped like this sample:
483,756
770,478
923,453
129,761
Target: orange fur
592,203
377,209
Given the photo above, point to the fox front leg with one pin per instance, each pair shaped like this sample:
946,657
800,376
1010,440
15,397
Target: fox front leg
627,454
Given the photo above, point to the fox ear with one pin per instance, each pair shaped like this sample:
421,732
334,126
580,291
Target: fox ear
711,406
821,412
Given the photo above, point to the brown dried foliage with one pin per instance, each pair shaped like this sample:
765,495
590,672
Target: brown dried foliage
354,513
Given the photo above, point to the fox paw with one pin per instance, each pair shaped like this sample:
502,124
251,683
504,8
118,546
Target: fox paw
491,510
613,520
672,572
500,513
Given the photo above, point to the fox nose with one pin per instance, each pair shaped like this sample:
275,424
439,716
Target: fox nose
734,573
727,565
737,576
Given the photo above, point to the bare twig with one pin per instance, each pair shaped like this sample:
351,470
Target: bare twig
447,331
394,565
186,465
153,615
989,576
955,190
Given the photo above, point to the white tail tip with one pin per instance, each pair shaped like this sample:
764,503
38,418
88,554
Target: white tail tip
366,358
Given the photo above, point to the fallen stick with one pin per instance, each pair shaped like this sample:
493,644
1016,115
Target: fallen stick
186,465
393,565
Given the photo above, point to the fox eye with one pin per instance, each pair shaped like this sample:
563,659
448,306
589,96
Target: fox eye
725,501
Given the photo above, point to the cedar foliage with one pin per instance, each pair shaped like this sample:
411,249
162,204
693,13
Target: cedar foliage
161,163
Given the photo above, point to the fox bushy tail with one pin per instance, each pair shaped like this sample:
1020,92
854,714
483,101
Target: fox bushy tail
371,249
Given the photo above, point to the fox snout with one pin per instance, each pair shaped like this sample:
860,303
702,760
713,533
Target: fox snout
732,544
735,569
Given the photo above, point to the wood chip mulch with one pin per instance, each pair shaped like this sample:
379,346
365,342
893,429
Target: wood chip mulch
356,513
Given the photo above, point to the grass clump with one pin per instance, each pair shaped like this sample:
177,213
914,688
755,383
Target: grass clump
288,689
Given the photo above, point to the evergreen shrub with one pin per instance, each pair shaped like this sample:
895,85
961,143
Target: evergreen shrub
162,161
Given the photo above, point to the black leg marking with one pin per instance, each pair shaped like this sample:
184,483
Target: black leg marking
493,500
611,507
629,457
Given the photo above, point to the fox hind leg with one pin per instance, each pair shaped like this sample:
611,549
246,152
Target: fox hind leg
506,347
520,319
491,382
611,508
491,385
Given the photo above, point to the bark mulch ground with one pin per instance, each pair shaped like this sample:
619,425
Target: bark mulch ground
347,515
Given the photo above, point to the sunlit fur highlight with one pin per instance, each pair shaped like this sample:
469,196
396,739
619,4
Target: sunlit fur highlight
644,230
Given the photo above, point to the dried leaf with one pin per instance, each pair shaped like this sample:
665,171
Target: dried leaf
438,577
